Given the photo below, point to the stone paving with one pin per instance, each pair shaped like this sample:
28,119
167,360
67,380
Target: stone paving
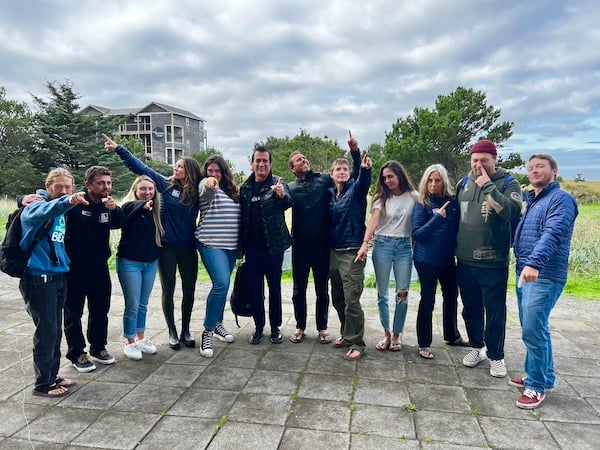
299,396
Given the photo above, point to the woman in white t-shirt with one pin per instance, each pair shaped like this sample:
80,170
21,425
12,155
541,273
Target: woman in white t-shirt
390,229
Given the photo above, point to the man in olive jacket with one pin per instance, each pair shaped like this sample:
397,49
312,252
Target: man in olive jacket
264,238
488,203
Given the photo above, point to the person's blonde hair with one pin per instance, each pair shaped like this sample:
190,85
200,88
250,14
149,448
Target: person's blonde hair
59,172
448,190
131,197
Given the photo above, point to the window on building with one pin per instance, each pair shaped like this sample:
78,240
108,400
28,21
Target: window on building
173,154
174,134
147,140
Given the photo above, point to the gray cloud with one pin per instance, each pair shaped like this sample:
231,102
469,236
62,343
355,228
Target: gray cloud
258,68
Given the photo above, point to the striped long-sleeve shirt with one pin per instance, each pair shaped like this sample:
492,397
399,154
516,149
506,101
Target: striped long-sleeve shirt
219,223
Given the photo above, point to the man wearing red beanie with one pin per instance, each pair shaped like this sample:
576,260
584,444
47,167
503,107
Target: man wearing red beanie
489,200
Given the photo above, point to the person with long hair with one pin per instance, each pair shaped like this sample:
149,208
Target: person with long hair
179,211
434,226
217,241
390,227
137,258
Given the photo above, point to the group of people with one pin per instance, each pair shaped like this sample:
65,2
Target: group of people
460,240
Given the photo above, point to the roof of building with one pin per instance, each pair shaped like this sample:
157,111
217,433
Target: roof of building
127,111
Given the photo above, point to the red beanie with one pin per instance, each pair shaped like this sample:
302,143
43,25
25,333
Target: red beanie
484,146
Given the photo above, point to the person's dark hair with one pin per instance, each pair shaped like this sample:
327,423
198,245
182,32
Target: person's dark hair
96,171
382,192
550,159
261,149
189,195
227,183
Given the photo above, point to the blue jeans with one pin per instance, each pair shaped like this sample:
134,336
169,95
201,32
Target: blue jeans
535,301
137,281
219,264
388,253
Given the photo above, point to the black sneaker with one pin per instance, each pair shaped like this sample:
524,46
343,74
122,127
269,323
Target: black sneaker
83,364
206,349
256,337
276,337
103,357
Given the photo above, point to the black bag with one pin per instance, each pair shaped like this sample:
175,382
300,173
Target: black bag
240,296
13,259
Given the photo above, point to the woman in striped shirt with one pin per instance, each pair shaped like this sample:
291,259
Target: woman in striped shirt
217,242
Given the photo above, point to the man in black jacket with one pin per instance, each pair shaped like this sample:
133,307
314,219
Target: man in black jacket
264,238
310,229
87,244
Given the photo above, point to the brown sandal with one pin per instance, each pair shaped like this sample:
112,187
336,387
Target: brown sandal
382,345
339,342
353,355
297,337
425,352
324,338
395,346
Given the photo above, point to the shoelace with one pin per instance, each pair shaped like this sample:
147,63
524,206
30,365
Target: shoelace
221,331
531,393
207,339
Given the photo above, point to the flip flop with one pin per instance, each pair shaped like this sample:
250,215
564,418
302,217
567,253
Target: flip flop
64,382
339,342
425,352
382,345
460,342
53,391
353,355
324,338
297,337
395,346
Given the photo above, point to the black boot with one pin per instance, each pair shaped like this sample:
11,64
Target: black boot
187,339
173,339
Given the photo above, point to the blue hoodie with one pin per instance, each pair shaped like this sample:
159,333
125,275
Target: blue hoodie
32,218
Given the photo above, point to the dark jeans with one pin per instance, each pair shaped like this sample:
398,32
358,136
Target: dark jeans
44,302
305,258
96,286
260,265
184,258
429,276
483,291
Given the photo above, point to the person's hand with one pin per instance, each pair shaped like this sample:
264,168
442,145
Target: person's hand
110,203
361,255
366,162
528,275
483,178
109,144
278,188
352,143
442,210
30,198
148,205
211,183
78,199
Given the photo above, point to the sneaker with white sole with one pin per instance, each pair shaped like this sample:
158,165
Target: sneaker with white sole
146,346
103,357
497,368
83,364
132,351
520,383
222,334
206,349
530,399
474,357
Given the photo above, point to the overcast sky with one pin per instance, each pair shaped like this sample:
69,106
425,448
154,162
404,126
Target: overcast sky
254,69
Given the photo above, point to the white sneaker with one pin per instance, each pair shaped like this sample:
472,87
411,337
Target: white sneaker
132,351
497,368
206,349
474,357
146,346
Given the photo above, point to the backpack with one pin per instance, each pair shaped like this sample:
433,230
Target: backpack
514,222
13,259
240,295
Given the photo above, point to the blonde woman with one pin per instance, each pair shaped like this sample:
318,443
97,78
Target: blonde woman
137,262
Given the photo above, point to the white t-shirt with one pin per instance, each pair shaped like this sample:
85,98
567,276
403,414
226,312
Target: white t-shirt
396,218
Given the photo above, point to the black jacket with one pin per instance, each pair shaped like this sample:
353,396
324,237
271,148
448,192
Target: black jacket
276,233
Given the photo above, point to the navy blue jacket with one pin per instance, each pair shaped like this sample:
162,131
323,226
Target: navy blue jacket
543,237
348,211
435,236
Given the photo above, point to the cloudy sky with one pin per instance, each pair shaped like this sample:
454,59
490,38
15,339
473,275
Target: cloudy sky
255,69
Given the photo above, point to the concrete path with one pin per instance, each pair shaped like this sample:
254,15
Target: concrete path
299,396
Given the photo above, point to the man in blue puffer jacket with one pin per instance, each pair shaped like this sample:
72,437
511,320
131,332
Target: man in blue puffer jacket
542,245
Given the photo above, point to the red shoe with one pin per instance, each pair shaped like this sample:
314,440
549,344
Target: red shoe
530,399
